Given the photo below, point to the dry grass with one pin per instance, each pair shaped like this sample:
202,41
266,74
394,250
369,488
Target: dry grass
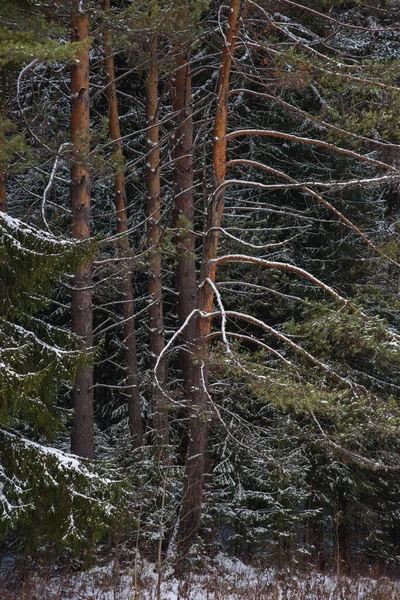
222,579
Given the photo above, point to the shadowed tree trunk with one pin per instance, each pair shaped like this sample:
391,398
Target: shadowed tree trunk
3,175
315,537
117,160
186,280
3,191
82,436
154,279
343,533
190,513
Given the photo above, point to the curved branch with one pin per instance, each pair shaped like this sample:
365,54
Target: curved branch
313,142
358,458
249,338
315,195
336,21
283,338
313,118
286,267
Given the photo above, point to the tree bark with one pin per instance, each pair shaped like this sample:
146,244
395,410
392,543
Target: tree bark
129,328
190,513
3,172
186,279
343,534
3,192
154,278
82,434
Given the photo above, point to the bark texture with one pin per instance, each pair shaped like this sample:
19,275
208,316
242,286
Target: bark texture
3,173
186,279
190,513
3,192
154,279
82,434
129,328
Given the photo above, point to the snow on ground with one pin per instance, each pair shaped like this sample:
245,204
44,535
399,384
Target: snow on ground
221,579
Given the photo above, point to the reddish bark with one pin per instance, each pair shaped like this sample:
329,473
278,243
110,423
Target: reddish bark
216,205
82,434
3,174
190,513
153,212
129,329
186,279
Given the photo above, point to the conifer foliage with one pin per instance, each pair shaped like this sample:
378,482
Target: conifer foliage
43,491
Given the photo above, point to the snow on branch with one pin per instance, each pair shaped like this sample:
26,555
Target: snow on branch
64,461
327,17
314,142
172,339
314,119
223,314
16,226
49,185
283,338
286,267
305,187
363,461
42,476
254,340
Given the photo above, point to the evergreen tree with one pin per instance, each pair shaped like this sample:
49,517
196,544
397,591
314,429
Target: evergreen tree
45,493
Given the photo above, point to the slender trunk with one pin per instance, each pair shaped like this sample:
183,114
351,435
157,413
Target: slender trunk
154,279
315,536
3,173
3,191
186,280
117,159
343,545
82,435
190,513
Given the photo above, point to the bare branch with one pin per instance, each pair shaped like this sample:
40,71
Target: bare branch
316,196
283,338
242,258
313,142
314,119
250,338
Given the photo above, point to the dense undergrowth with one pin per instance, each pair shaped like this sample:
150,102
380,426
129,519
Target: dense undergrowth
220,578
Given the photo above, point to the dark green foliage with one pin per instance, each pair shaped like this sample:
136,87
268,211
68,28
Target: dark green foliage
259,491
29,31
34,363
176,21
43,492
36,358
52,497
31,262
11,142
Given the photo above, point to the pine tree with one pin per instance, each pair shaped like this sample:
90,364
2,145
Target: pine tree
82,434
40,485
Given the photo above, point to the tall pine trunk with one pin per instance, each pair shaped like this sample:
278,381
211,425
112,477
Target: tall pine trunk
154,279
190,512
117,160
82,434
186,279
3,174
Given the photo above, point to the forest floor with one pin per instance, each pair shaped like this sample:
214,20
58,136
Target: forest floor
220,579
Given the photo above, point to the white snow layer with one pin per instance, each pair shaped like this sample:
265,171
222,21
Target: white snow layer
222,578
